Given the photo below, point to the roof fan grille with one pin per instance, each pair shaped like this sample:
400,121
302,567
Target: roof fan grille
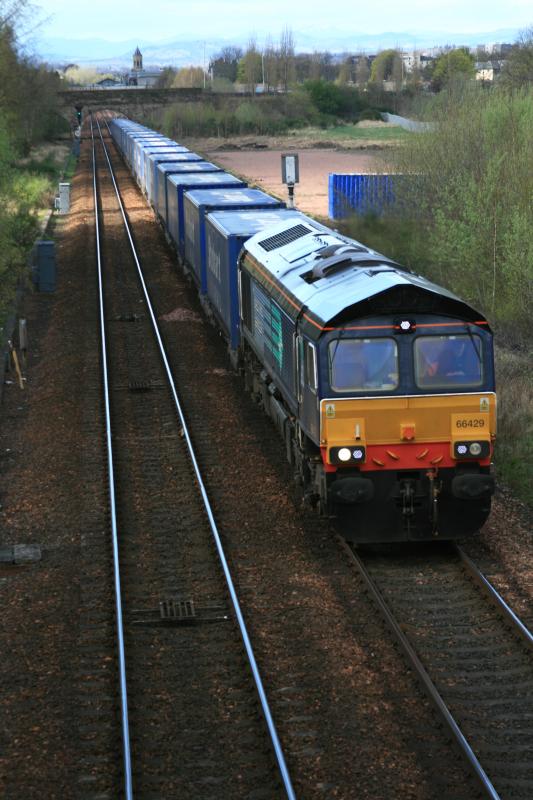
286,237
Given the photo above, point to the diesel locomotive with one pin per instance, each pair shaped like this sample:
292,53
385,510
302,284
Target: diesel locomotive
380,383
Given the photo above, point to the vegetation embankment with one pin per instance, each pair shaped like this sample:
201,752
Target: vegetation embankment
462,217
316,104
28,116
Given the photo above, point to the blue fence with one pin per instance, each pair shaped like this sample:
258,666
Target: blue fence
359,194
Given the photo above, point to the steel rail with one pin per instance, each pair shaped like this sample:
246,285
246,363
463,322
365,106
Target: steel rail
126,748
495,597
429,686
284,772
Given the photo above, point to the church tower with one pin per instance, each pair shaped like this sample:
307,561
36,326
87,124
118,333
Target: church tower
137,61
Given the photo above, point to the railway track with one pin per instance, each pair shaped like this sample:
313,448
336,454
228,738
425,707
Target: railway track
471,653
342,738
321,740
189,698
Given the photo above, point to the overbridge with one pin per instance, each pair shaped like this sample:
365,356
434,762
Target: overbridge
132,101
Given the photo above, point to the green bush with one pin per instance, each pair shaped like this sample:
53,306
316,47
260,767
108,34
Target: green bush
470,203
463,219
250,118
334,100
514,446
23,191
268,115
370,113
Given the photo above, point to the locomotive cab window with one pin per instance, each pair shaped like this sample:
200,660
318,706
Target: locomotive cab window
448,361
363,365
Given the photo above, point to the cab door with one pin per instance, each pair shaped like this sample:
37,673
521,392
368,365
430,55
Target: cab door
308,402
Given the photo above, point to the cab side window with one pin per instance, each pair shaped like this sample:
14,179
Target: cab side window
310,366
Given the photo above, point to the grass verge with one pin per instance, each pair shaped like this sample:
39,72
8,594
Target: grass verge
355,132
26,194
514,447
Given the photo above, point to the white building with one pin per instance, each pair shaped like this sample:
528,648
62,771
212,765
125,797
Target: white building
411,61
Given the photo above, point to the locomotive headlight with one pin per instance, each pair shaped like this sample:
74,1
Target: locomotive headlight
472,449
347,455
405,325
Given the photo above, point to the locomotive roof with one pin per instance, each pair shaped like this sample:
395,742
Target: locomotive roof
329,279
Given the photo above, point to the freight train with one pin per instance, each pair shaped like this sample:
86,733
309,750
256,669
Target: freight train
380,383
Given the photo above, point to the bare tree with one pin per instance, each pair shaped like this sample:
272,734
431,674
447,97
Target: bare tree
189,78
270,65
250,66
286,58
362,71
225,63
346,70
518,69
397,71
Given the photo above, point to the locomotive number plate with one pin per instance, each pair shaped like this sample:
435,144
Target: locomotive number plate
461,423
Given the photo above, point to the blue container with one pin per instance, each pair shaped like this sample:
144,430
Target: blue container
127,139
225,234
135,144
198,203
359,194
160,149
177,185
121,129
139,144
154,159
165,169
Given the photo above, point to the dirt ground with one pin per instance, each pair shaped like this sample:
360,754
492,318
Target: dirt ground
263,168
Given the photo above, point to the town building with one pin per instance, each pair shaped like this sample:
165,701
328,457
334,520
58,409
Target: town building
138,76
488,71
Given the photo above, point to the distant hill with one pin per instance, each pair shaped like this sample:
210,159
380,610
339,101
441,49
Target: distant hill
183,52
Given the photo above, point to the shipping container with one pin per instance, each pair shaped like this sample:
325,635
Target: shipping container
120,128
136,142
225,234
153,159
177,185
165,169
160,149
199,202
138,145
359,194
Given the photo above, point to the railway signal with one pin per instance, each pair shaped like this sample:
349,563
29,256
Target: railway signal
290,174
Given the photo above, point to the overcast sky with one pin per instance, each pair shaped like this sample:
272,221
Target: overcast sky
160,20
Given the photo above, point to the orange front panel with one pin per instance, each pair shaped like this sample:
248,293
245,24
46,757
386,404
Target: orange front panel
407,426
